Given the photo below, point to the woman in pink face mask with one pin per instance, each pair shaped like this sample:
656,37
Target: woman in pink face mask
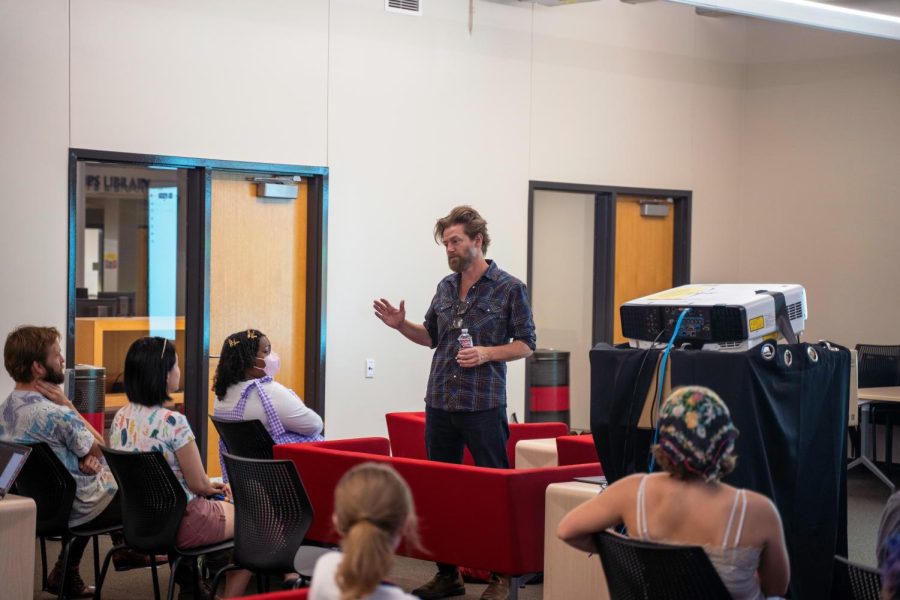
245,389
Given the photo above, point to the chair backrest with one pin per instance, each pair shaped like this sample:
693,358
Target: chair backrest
638,570
865,582
45,480
247,439
153,500
879,366
272,513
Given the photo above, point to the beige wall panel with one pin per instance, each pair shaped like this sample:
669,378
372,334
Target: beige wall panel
34,123
163,77
563,281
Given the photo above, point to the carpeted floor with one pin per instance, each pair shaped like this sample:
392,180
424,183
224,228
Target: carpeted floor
866,497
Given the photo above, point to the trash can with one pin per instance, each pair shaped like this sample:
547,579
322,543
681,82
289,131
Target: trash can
90,394
548,398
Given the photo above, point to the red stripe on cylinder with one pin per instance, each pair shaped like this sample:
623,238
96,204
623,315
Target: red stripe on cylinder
549,398
95,419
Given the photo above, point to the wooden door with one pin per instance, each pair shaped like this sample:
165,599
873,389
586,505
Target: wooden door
257,278
644,255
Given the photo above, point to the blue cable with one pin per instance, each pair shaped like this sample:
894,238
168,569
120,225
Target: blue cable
662,378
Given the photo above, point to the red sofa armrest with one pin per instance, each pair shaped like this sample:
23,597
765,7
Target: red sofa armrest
576,449
531,431
406,431
321,465
301,594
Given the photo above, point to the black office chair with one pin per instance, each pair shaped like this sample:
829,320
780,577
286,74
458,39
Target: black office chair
247,439
639,570
47,481
879,366
153,504
865,582
272,515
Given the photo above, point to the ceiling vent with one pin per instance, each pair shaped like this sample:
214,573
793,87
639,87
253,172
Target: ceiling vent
407,7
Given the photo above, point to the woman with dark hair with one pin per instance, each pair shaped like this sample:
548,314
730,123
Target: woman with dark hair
145,425
687,504
245,389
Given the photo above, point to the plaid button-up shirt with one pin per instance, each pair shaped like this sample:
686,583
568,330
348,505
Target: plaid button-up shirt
496,312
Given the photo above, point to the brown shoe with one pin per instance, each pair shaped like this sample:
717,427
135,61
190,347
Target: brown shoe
77,588
441,586
497,589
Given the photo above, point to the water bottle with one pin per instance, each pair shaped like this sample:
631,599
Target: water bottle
464,339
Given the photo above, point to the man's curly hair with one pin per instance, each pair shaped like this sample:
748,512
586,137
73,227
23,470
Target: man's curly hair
238,353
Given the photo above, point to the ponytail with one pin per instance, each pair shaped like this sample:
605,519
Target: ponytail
373,509
368,558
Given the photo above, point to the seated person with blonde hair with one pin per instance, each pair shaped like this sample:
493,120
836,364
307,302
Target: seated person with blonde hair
373,512
687,504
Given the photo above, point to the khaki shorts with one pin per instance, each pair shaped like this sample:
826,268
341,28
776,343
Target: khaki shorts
203,523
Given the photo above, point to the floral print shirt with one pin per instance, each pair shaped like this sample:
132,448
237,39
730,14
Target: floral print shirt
142,428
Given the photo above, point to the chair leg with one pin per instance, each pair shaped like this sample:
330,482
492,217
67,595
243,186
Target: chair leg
43,564
175,566
155,577
99,581
64,578
218,578
888,442
96,560
197,575
514,587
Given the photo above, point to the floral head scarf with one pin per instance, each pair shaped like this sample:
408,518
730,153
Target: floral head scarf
695,430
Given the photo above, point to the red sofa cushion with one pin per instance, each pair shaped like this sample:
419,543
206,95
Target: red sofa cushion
484,518
407,433
576,449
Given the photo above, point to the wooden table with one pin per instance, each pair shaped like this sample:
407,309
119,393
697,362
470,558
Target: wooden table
569,573
865,396
18,518
532,454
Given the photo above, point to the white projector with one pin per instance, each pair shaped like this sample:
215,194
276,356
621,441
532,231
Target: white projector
722,316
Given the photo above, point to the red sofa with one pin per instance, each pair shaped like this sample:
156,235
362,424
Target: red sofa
301,594
406,431
576,450
491,519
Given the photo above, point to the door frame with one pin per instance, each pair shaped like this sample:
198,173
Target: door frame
605,198
197,269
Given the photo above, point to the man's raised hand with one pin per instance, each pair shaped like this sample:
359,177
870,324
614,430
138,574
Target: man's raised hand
391,316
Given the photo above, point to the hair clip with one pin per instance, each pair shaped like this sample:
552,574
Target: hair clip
251,335
163,353
233,342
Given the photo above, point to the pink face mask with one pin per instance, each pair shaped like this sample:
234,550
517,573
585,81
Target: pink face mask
272,364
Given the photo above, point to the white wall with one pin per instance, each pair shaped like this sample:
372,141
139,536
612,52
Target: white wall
820,177
645,95
228,80
34,136
414,115
422,117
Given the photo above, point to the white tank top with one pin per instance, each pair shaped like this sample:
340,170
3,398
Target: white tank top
735,565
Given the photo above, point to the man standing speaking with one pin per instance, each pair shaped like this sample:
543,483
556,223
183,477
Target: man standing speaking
465,403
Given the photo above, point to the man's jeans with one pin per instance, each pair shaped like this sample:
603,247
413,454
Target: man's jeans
485,432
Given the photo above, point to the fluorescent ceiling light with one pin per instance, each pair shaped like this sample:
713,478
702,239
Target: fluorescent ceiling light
806,12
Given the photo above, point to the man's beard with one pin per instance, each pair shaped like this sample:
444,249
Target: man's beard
463,261
54,376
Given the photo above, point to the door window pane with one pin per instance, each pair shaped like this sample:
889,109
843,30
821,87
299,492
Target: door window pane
130,265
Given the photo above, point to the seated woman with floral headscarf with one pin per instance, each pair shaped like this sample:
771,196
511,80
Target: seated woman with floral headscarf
245,389
687,504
